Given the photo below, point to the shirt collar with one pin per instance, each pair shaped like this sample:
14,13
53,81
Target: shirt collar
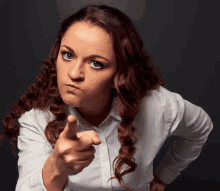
81,121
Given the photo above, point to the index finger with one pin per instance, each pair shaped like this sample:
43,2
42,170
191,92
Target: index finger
70,131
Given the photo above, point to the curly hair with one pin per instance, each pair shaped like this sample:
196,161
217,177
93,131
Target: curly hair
136,74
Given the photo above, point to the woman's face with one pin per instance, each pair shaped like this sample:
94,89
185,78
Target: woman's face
93,76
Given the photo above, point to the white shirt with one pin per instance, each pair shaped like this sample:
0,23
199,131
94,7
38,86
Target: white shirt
161,115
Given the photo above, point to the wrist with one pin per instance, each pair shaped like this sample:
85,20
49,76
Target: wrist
57,172
156,179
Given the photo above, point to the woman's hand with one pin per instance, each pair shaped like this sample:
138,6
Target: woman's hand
74,151
157,184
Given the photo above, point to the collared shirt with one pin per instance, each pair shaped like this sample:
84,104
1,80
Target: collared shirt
162,114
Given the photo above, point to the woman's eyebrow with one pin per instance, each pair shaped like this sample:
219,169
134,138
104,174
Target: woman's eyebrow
89,57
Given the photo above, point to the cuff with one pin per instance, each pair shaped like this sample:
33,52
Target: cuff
36,181
156,179
165,174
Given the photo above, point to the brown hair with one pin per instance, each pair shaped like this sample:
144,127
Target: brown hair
136,78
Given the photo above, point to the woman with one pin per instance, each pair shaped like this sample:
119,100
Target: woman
99,74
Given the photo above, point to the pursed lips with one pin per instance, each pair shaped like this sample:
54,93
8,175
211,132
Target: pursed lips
70,85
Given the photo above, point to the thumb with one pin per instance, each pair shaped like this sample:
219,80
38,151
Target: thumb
70,131
96,140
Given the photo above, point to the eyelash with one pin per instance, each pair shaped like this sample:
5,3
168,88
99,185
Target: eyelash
64,52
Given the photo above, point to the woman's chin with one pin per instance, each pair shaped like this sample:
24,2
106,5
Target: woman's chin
73,102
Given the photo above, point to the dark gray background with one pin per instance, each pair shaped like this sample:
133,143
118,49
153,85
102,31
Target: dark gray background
183,37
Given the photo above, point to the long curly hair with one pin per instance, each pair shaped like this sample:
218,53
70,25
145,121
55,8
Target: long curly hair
136,74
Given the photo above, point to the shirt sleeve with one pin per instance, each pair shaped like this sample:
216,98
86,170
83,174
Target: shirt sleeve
192,125
34,150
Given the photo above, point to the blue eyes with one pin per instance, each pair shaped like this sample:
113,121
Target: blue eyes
66,59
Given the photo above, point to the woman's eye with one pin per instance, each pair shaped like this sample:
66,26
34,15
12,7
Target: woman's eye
64,53
97,63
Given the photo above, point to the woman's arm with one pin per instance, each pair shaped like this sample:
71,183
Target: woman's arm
53,180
